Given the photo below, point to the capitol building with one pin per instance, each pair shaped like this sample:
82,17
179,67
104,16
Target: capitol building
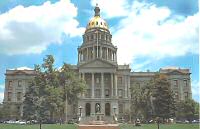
108,83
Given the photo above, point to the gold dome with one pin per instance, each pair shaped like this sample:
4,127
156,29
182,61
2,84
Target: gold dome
97,21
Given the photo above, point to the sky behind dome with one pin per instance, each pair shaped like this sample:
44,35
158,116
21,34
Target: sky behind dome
149,34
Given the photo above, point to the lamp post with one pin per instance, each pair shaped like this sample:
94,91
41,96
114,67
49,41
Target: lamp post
80,108
114,108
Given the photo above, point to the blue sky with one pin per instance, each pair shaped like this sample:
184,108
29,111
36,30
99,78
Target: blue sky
149,34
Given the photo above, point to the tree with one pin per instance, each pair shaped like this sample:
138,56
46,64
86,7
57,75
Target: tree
188,110
141,101
49,91
164,104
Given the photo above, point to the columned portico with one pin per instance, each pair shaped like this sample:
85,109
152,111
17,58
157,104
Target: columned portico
97,61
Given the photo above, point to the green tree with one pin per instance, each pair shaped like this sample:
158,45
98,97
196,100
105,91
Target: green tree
188,109
164,104
141,101
51,89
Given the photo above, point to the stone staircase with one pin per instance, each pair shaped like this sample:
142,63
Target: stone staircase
91,120
108,126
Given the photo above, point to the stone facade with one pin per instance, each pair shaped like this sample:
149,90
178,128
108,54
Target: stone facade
108,84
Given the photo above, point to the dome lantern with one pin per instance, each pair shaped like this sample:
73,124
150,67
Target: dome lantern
97,21
97,10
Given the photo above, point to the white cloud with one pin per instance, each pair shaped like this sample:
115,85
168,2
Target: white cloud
196,90
31,29
22,68
151,31
1,97
2,92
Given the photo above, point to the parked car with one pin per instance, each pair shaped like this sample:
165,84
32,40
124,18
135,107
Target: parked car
70,121
137,122
195,121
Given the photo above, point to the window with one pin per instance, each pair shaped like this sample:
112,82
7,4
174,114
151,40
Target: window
138,85
88,93
175,83
97,80
102,36
120,93
10,85
176,95
19,83
121,108
96,23
186,95
185,83
9,96
97,93
19,96
119,80
107,93
92,37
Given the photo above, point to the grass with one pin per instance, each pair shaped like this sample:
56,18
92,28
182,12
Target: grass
162,126
36,126
123,126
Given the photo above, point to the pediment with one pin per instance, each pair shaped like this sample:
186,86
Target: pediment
20,72
176,72
98,64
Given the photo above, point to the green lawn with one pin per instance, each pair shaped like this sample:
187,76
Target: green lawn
36,126
124,126
162,126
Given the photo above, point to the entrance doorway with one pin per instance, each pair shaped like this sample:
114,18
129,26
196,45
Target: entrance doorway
87,109
107,109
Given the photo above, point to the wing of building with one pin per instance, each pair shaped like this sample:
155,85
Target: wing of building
108,90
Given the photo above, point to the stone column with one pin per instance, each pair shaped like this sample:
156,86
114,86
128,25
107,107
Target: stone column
102,86
129,92
92,85
93,52
87,54
111,84
107,53
101,52
83,95
115,85
78,57
126,85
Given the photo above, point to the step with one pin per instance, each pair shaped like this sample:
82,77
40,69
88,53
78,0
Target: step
106,126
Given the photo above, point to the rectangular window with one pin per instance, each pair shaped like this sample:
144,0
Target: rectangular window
176,95
19,83
120,93
19,96
185,83
9,96
186,95
107,93
88,93
97,80
121,108
138,85
119,80
175,83
10,85
97,94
